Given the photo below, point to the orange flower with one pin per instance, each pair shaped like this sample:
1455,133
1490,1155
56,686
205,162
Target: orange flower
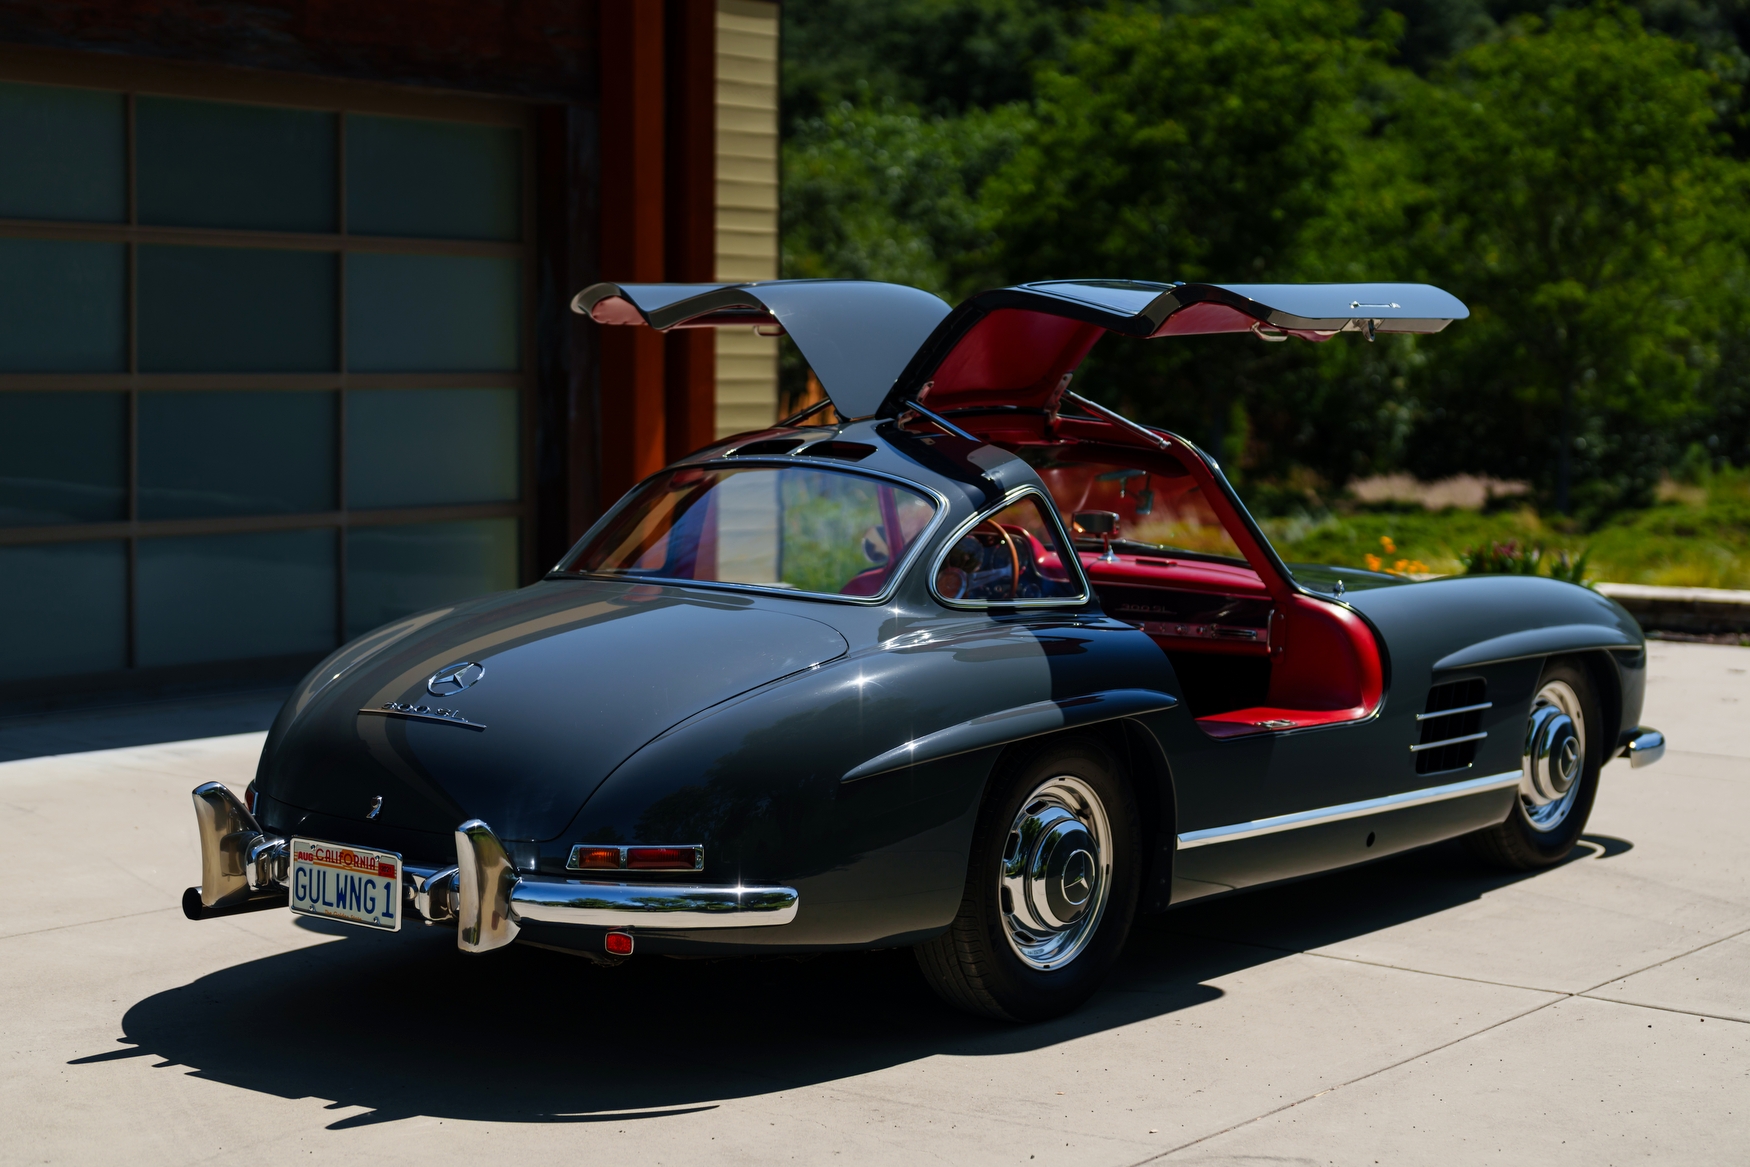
1390,547
1373,562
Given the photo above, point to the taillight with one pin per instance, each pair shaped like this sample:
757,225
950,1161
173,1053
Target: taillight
607,857
618,943
665,858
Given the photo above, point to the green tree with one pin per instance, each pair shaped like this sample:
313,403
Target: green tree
1190,146
1571,182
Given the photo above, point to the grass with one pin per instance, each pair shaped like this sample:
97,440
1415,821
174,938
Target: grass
1698,535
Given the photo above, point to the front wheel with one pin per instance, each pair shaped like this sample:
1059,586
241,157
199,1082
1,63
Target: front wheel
1050,889
1559,765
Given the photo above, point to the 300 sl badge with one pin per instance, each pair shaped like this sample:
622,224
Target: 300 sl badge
422,713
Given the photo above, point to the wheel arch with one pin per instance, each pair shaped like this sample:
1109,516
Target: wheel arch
1150,776
1601,670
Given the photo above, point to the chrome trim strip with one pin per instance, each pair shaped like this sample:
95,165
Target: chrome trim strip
652,905
1447,741
1347,810
422,713
1450,712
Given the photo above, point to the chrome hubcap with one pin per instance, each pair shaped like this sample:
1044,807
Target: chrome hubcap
1554,756
1056,870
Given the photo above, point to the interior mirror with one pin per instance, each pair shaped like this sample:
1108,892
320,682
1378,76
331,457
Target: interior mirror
1095,522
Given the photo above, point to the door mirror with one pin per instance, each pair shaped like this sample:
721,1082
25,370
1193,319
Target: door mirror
1095,522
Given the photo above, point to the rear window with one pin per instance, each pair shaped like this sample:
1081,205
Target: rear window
798,528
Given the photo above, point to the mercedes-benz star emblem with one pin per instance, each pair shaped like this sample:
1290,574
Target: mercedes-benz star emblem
454,678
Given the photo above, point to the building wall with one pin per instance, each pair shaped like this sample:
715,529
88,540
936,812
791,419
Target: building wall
290,446
746,203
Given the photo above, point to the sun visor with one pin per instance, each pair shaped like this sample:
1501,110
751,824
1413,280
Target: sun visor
1014,346
857,335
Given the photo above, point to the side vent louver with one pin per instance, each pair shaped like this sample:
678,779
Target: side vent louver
1452,725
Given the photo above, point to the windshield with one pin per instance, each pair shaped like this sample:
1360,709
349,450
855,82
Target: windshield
800,528
1160,507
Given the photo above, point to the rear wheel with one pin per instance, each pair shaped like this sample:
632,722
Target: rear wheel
1560,762
1050,890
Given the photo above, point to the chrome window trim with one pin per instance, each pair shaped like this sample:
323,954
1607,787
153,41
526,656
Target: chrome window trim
771,462
1348,810
1065,543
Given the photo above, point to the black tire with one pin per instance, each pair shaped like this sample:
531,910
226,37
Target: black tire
975,965
1517,843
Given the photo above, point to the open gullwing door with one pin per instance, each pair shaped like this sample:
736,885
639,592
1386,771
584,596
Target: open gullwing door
857,335
1014,346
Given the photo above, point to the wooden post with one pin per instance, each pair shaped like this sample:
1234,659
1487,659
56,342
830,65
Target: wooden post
633,390
691,253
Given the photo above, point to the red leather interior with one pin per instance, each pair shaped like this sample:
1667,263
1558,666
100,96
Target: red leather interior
1328,671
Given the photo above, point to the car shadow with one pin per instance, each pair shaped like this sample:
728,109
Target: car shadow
405,1025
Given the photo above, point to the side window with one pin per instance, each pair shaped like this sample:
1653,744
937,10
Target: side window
1012,556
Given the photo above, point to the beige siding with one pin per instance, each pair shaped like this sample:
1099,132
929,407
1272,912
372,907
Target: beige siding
747,202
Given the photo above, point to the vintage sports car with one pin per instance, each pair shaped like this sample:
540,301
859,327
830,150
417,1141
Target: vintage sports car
980,668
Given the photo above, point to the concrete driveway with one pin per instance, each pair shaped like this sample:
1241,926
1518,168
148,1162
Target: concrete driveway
1421,1010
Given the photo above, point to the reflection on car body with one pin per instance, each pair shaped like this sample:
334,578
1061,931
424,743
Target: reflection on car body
972,665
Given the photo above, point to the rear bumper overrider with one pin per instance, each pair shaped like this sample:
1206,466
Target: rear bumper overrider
1644,747
244,868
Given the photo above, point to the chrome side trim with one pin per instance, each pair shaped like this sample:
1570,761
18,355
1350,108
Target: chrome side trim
1450,712
1347,810
1448,741
652,905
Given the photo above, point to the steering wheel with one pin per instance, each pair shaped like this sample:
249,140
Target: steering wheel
1014,556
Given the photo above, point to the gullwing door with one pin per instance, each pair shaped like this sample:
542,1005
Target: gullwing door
1014,346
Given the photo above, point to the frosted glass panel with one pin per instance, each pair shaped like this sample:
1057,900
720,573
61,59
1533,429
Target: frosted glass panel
443,180
424,447
231,310
63,306
220,164
231,597
64,153
63,458
391,571
240,453
65,608
431,313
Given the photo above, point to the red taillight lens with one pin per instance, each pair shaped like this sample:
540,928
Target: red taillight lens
618,943
595,858
662,858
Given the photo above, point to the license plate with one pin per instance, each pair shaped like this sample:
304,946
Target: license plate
339,882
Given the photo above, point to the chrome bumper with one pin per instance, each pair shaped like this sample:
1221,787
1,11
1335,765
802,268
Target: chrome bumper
243,868
1646,747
